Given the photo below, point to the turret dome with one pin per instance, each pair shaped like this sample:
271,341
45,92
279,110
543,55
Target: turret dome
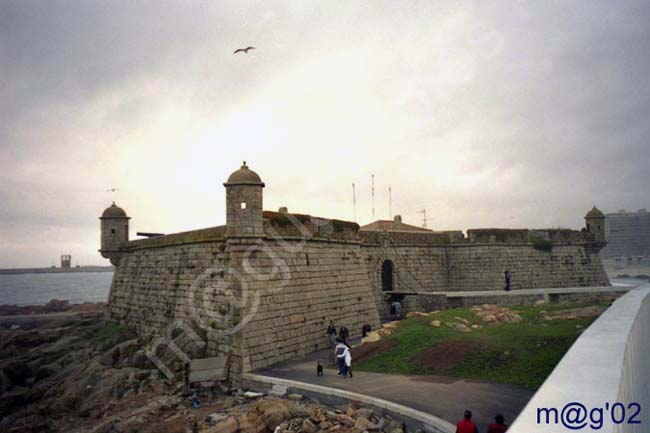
244,176
595,213
114,211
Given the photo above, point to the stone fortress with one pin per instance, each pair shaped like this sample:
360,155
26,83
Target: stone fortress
264,287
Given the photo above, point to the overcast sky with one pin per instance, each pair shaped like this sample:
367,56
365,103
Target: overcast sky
491,114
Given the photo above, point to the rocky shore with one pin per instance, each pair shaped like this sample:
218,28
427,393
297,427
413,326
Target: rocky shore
64,369
53,306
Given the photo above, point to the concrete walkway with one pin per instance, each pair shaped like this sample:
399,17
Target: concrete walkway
444,397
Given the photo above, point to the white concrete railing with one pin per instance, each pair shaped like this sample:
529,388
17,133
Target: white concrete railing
606,371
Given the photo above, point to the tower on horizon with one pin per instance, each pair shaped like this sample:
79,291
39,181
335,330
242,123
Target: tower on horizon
66,260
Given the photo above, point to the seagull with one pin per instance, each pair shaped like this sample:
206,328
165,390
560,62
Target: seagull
112,190
245,50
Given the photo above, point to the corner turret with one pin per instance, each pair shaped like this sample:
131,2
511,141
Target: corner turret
595,224
244,204
114,225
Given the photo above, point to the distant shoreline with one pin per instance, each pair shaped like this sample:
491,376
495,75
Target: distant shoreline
56,270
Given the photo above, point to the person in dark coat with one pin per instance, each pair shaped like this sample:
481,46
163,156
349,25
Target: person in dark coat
365,329
507,277
331,333
344,334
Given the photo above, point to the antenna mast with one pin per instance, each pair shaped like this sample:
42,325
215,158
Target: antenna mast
373,196
424,217
390,203
354,202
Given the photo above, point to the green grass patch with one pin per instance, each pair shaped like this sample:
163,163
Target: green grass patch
522,353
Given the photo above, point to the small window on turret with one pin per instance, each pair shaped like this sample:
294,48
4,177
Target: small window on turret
243,205
112,231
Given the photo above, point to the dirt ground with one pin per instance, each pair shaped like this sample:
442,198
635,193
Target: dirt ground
370,350
445,355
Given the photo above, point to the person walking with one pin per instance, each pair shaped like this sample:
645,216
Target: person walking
498,426
331,334
348,362
339,353
466,425
506,274
344,334
365,329
397,307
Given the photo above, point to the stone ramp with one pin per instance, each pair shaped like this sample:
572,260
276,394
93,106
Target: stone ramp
443,397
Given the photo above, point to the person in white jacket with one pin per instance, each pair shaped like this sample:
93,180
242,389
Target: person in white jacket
348,362
339,353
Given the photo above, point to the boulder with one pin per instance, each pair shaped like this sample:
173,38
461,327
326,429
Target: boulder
436,323
345,419
371,337
362,423
228,425
56,305
495,314
215,418
253,423
416,314
365,412
274,412
308,427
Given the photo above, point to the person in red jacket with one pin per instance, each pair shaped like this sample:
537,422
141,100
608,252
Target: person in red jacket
466,425
499,426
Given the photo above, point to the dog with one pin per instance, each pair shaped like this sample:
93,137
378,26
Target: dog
319,369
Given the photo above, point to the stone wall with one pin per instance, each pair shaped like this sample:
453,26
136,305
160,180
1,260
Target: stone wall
415,269
286,293
470,267
279,294
481,267
322,281
152,285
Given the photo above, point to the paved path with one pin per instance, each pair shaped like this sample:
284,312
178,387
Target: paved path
444,397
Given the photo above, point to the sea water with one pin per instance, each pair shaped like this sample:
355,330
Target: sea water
38,289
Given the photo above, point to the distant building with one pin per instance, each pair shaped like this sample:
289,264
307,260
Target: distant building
627,234
395,225
66,260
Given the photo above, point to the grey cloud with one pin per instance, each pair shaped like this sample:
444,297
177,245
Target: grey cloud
557,104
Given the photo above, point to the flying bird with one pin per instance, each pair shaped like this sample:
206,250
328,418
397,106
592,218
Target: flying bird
112,190
245,50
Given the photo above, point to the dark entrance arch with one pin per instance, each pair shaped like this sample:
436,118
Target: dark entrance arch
387,275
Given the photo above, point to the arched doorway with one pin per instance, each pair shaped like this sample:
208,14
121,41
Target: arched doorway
387,275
